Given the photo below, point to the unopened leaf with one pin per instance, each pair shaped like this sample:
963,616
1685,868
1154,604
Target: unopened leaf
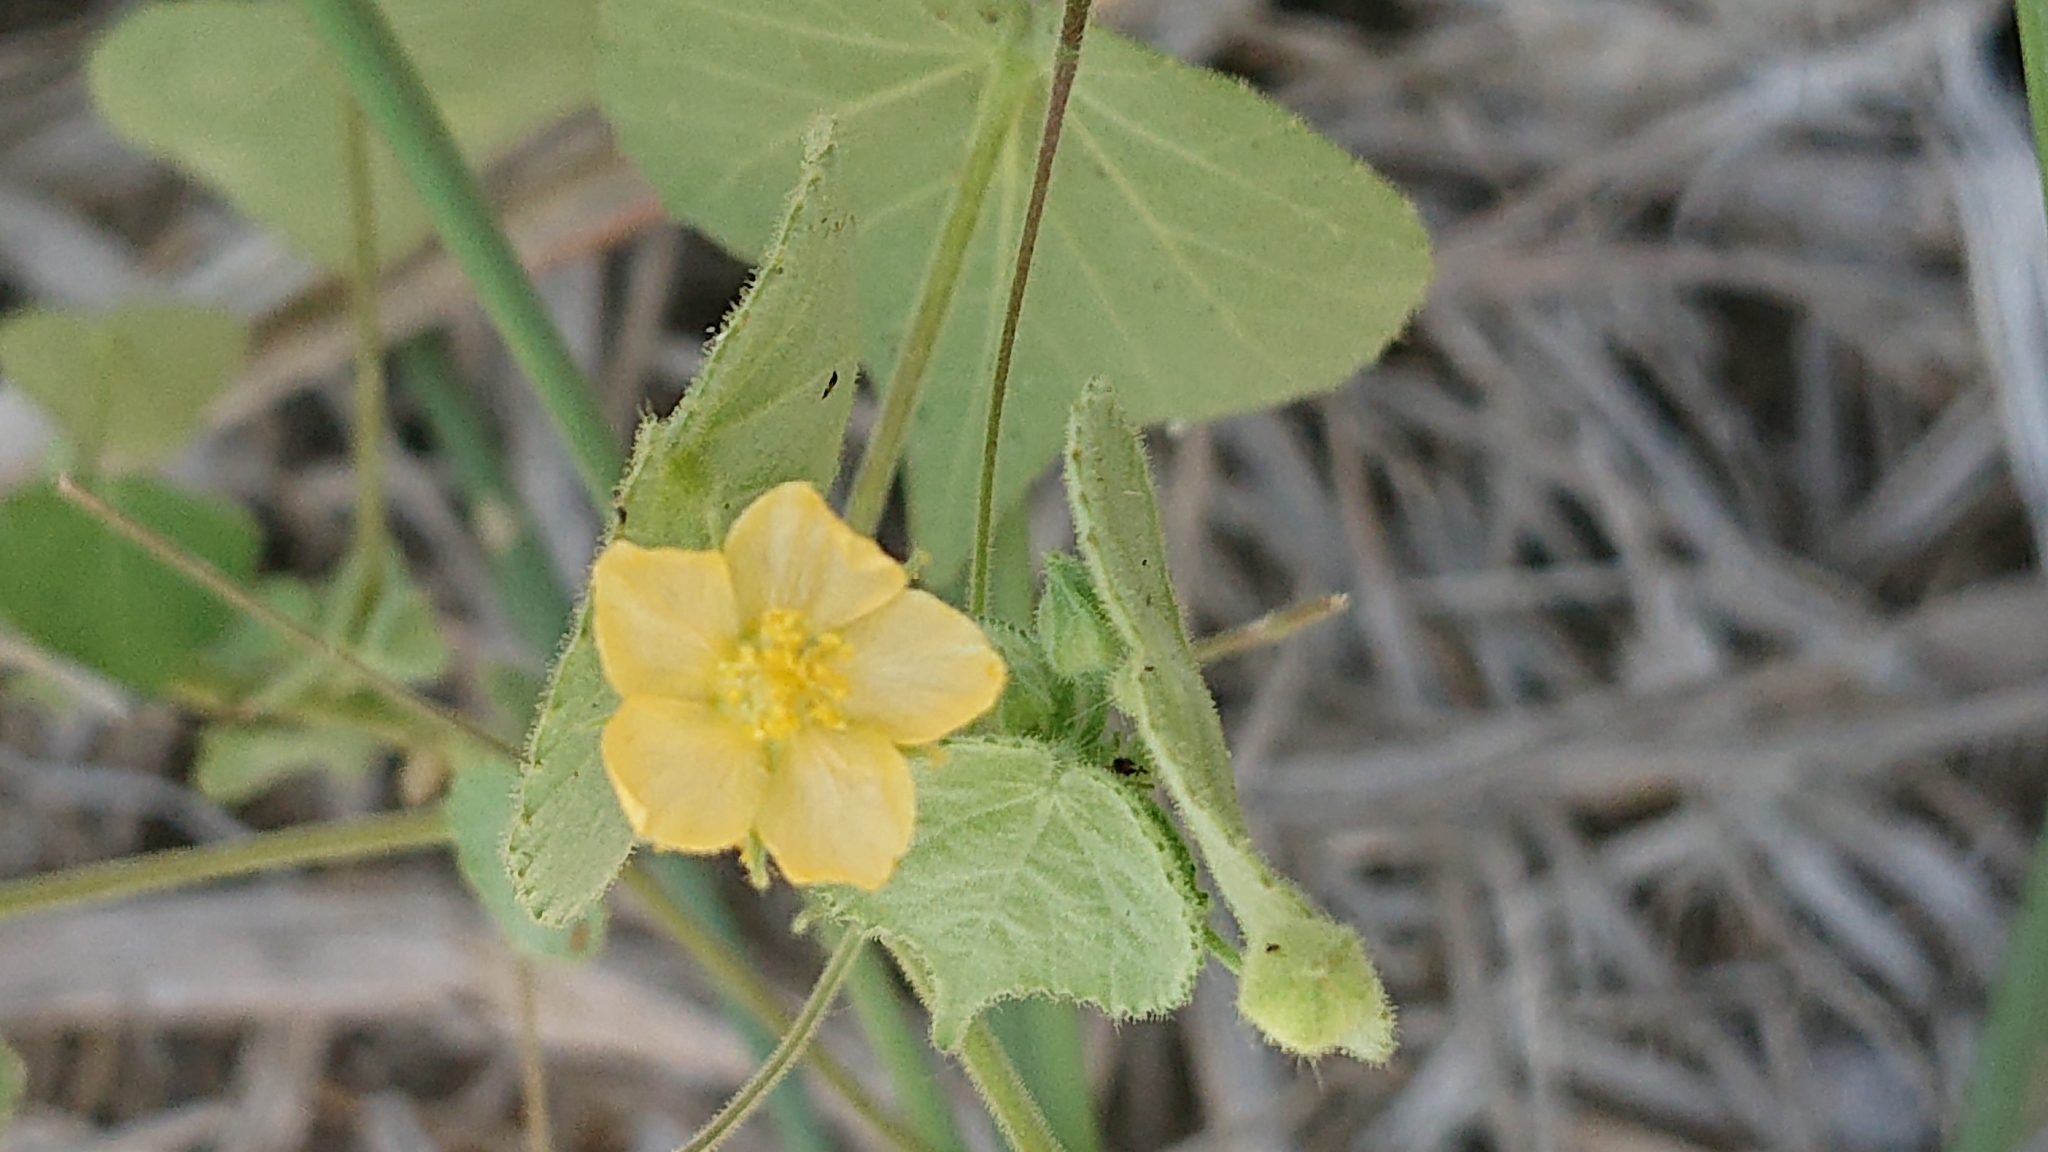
1200,244
769,406
1306,981
1033,873
479,810
75,587
245,96
128,387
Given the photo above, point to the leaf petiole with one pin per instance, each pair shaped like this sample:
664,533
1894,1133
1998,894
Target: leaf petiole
1066,62
737,981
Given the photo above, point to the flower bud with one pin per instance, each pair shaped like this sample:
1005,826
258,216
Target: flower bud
1072,627
1306,984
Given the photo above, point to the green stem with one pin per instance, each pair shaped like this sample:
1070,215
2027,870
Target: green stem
369,387
1003,1091
1066,61
397,103
688,882
215,581
533,598
870,493
533,1068
2034,65
883,1016
794,1043
382,835
1996,1105
1043,1039
1271,628
738,982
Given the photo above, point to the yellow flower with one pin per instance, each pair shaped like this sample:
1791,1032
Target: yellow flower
768,686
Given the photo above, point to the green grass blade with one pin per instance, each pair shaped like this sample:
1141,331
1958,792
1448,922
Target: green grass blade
387,86
1996,1106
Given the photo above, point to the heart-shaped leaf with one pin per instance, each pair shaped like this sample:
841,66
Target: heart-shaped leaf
1035,874
129,387
75,587
1201,246
243,95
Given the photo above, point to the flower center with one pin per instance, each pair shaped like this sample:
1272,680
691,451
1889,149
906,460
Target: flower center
782,677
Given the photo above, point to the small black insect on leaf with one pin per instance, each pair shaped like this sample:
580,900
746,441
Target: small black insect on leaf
1125,766
830,383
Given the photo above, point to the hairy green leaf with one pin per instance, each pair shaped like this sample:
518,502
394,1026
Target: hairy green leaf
1306,981
1033,873
479,809
769,406
1200,243
75,587
244,96
128,387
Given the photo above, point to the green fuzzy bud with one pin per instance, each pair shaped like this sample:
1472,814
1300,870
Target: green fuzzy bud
1034,698
1306,984
1072,627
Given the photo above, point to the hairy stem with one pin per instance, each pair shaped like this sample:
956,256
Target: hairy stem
1066,61
740,983
383,835
794,1043
397,104
1271,628
1004,1092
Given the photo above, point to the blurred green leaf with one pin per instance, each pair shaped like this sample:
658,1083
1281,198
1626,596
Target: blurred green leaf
238,761
1033,873
13,1081
129,387
1200,245
244,96
75,587
769,406
479,808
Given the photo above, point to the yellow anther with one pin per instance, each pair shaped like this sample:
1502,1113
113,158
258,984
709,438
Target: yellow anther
782,677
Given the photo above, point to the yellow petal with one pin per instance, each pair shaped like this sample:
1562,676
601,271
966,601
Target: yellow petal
839,809
917,669
663,618
789,550
688,779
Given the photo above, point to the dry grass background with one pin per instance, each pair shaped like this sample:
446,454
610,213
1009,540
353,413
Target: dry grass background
1679,755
